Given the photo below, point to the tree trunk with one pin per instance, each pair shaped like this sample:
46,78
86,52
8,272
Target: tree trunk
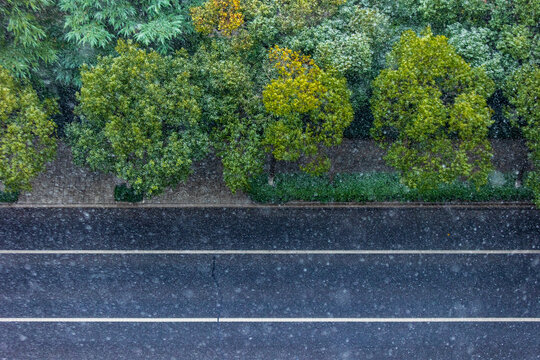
272,170
523,167
331,172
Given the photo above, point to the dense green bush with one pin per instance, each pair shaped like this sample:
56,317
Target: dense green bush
232,111
371,187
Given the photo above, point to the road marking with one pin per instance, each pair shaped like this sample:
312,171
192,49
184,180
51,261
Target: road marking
270,252
270,320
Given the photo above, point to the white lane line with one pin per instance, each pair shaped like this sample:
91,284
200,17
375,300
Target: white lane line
271,320
270,252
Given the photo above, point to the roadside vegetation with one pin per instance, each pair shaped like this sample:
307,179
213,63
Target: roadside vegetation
376,187
143,89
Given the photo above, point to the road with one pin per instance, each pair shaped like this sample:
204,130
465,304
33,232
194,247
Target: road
270,283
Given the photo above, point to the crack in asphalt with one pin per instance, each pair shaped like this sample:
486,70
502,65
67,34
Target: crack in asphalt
219,299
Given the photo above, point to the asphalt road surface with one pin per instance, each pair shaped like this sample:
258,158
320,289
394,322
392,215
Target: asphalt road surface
270,283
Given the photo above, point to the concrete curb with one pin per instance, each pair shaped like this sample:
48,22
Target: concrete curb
316,205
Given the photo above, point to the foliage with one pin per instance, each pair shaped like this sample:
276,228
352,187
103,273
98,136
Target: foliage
24,40
370,187
231,110
99,23
353,42
298,14
524,94
8,197
124,193
431,114
441,13
311,107
27,139
93,27
140,119
477,46
501,42
223,16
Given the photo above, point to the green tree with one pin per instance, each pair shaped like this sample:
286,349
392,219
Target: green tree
441,13
140,119
311,107
93,27
503,41
99,23
523,90
232,110
431,114
24,39
353,41
233,70
27,139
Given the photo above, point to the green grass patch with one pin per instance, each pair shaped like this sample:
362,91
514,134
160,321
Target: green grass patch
8,197
124,193
374,187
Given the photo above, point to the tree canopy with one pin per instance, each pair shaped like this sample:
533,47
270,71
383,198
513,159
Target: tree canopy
140,119
524,94
311,107
27,134
24,37
431,114
246,105
232,111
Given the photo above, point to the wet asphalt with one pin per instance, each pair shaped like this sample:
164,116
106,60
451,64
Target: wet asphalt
305,286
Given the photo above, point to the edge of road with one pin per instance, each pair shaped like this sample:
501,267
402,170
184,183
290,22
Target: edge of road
295,204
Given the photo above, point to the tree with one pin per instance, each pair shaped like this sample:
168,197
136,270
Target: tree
223,16
93,27
523,91
441,13
311,107
232,69
99,23
353,41
140,119
232,110
431,114
24,40
27,139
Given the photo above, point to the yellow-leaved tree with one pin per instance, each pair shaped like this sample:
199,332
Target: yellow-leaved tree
223,16
311,109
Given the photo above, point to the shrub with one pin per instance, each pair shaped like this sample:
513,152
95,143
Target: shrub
124,193
376,187
9,197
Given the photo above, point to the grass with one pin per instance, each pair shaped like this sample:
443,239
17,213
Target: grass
371,187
